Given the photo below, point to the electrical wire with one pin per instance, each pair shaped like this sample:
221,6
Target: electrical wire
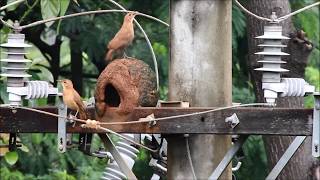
82,121
127,139
298,11
185,115
88,13
251,13
98,124
282,18
47,113
148,42
7,24
189,158
11,4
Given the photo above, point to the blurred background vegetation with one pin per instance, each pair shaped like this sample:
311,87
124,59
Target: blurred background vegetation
74,48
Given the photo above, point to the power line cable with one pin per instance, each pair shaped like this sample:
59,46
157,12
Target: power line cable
282,18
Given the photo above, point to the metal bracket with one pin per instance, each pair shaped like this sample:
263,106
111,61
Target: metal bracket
227,158
117,156
62,128
286,157
159,169
233,120
316,126
12,142
85,142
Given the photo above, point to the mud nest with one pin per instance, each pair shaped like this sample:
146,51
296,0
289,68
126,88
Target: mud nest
123,85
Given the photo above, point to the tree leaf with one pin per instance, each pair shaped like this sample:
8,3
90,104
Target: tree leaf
50,9
36,138
44,74
64,4
13,7
11,157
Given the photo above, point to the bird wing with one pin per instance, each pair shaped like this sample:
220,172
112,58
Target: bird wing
80,104
121,39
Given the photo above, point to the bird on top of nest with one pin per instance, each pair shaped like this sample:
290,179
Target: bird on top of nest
123,38
72,99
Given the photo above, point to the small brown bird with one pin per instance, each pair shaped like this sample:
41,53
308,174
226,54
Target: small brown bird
72,99
123,38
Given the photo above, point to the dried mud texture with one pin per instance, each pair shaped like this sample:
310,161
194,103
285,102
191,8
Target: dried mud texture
123,85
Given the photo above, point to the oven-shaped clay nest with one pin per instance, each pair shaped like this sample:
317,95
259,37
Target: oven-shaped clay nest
123,85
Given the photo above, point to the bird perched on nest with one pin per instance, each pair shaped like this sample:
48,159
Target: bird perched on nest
72,99
123,38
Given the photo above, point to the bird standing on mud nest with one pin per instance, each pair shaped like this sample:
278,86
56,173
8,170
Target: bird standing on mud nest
72,99
123,38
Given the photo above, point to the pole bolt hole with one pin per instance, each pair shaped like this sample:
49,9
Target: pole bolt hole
202,119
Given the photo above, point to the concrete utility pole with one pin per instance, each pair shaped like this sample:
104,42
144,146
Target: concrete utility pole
200,72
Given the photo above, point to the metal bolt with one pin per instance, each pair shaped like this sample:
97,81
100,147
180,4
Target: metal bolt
60,147
152,123
273,16
14,111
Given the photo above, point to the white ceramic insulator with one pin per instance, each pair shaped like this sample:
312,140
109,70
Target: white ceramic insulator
31,90
14,64
295,87
37,89
128,153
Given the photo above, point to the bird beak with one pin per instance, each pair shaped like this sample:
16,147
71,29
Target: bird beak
59,80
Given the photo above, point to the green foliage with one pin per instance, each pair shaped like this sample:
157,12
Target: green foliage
50,9
254,163
43,73
238,26
312,75
13,7
7,174
38,157
242,95
141,167
308,21
11,157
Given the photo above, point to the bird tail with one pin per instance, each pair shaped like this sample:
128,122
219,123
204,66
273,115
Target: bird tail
109,55
83,113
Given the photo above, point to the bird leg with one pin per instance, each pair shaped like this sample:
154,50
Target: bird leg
72,117
76,113
125,55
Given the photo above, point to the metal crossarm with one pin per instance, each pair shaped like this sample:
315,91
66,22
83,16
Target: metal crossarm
286,157
227,158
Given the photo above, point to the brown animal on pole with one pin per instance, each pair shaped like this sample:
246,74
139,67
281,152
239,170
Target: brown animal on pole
72,99
123,38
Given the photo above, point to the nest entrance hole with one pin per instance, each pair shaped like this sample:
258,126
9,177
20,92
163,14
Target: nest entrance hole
112,97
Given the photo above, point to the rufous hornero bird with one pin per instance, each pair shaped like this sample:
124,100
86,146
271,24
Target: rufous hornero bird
72,99
123,38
